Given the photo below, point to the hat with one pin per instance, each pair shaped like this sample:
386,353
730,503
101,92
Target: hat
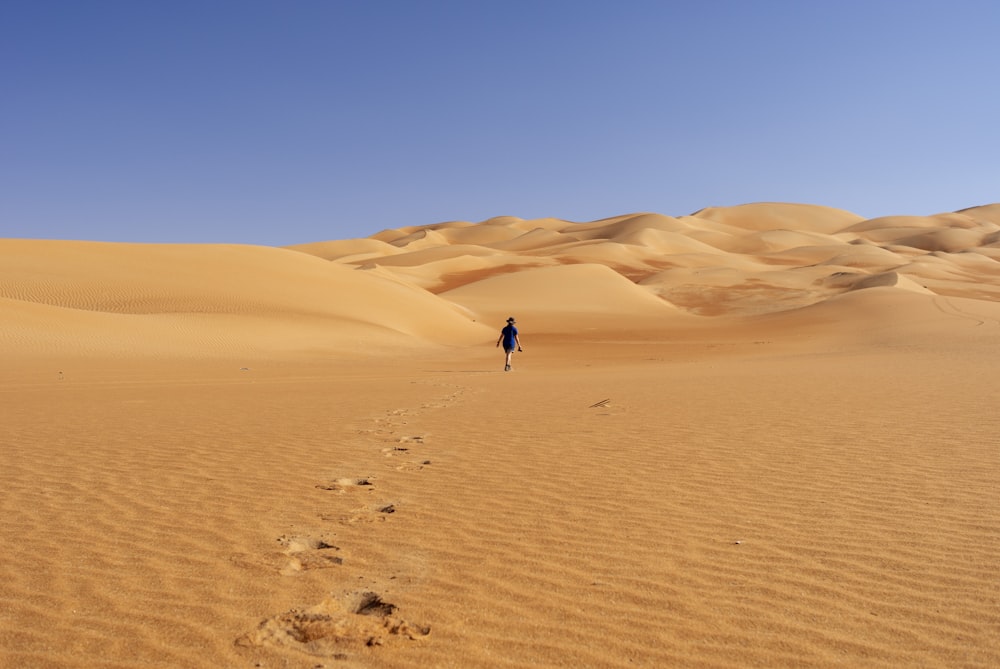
511,320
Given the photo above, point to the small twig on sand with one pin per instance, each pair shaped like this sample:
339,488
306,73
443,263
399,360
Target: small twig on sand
602,403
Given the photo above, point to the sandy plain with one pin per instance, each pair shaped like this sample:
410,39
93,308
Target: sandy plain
756,436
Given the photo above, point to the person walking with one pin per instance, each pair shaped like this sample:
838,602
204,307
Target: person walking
510,341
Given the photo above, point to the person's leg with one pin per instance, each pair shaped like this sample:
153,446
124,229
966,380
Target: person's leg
510,353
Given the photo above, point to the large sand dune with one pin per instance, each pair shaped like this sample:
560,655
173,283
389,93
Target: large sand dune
207,301
762,435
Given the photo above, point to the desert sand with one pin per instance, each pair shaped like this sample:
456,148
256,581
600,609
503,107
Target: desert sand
755,436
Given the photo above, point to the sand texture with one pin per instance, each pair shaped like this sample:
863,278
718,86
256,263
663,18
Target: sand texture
756,436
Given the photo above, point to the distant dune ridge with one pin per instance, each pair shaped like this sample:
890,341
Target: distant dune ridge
452,283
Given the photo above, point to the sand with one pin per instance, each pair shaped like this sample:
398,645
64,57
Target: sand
753,436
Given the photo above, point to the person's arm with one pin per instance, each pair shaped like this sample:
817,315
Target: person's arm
517,340
500,339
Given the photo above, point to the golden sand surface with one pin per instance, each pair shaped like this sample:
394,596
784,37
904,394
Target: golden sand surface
761,436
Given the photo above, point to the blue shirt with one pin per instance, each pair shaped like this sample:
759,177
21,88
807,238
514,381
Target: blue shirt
509,333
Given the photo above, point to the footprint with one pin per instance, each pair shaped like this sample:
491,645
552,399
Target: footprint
298,554
412,466
374,513
342,485
306,553
354,619
417,439
298,544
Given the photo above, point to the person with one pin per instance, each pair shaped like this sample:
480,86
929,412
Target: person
510,341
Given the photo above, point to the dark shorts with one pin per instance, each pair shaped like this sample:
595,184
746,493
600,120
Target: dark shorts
509,349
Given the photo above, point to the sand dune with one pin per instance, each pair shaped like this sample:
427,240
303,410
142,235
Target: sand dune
564,299
764,216
986,212
761,435
626,226
207,300
347,250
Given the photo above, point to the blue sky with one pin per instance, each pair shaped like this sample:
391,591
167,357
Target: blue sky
282,122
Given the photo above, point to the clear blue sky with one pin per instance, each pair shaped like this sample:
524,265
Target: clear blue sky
288,121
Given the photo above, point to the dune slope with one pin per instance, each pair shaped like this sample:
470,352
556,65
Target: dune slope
206,300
